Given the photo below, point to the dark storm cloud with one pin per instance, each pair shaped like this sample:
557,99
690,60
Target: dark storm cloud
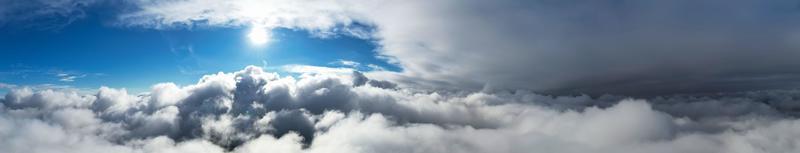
628,47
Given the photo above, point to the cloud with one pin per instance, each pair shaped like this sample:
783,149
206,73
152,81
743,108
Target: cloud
255,111
65,77
320,17
630,47
42,14
376,67
308,69
347,63
7,86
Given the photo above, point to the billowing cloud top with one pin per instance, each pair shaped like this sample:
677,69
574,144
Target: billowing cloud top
256,111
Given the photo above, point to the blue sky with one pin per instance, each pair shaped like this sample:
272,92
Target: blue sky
89,53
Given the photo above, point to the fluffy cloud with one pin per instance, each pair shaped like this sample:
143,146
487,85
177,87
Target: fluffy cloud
256,111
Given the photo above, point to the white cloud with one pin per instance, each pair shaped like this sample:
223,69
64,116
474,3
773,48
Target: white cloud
7,86
255,111
308,69
262,16
64,77
347,63
376,67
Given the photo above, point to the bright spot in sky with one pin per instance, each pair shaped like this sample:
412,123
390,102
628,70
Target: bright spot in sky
259,35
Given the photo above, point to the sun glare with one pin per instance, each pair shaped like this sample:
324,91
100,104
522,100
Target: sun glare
259,36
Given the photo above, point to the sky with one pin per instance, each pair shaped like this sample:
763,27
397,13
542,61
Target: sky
89,53
637,48
366,76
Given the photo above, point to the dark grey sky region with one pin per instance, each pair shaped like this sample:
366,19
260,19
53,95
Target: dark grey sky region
635,47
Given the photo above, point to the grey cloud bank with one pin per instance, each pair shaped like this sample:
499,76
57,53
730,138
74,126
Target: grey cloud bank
256,111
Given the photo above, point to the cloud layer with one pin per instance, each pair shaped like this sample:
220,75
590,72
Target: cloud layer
256,111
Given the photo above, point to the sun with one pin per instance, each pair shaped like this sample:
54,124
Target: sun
259,35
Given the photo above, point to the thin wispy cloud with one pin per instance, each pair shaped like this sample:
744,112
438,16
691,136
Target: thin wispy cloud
64,77
7,86
376,67
346,63
42,14
308,69
22,71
